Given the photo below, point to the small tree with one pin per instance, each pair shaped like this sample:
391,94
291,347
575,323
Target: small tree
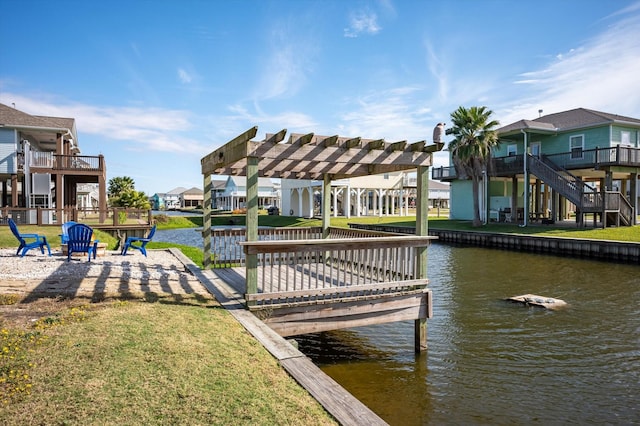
122,193
474,139
118,185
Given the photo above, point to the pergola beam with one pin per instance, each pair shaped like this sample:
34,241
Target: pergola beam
434,147
397,146
304,139
231,152
376,144
336,159
417,146
352,143
330,141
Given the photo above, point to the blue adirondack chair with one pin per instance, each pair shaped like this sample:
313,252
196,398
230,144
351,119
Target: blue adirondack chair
64,237
81,241
141,241
38,240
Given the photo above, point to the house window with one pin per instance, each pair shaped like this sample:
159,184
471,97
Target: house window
512,150
625,138
576,145
39,200
534,148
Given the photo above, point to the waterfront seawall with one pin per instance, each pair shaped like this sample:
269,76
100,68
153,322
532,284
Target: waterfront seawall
617,251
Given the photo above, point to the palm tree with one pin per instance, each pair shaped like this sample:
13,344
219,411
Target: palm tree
119,185
474,138
122,193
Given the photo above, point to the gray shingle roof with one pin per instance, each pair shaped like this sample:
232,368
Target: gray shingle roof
194,191
433,184
582,117
567,120
177,191
12,117
527,124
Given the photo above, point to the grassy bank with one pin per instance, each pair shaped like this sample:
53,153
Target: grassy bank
623,233
138,363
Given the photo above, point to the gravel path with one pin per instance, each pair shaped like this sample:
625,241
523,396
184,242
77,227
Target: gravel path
159,272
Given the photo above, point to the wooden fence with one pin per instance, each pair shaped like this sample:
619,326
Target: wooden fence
111,217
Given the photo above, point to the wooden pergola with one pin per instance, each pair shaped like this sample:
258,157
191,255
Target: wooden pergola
326,158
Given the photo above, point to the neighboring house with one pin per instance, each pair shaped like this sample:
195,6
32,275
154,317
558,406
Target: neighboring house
172,198
41,165
192,198
218,189
375,195
439,193
372,195
157,201
88,196
177,198
167,200
581,162
300,197
233,195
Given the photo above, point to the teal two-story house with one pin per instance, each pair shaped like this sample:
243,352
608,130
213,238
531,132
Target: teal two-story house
579,163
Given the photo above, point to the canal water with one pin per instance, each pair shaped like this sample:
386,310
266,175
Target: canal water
493,362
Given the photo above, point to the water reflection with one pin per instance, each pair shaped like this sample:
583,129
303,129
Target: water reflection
190,237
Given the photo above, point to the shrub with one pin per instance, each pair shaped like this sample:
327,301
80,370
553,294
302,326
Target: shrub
161,218
122,217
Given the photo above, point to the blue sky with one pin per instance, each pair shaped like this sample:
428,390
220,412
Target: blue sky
156,85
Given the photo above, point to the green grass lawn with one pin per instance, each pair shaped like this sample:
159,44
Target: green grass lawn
169,361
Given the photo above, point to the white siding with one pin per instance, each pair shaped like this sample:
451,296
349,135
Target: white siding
8,155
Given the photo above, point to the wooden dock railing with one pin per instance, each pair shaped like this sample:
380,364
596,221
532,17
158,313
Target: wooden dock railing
228,252
296,265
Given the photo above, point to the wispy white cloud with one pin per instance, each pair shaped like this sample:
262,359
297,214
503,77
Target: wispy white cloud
387,7
288,61
184,76
436,69
285,76
132,128
632,8
602,74
389,114
362,22
400,113
242,116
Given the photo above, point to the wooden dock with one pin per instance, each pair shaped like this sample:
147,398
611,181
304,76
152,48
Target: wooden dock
306,309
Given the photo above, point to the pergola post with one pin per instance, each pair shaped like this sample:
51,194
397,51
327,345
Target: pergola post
422,229
326,205
252,222
206,222
633,191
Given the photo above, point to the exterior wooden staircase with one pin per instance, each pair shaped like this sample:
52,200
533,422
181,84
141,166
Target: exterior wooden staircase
613,205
